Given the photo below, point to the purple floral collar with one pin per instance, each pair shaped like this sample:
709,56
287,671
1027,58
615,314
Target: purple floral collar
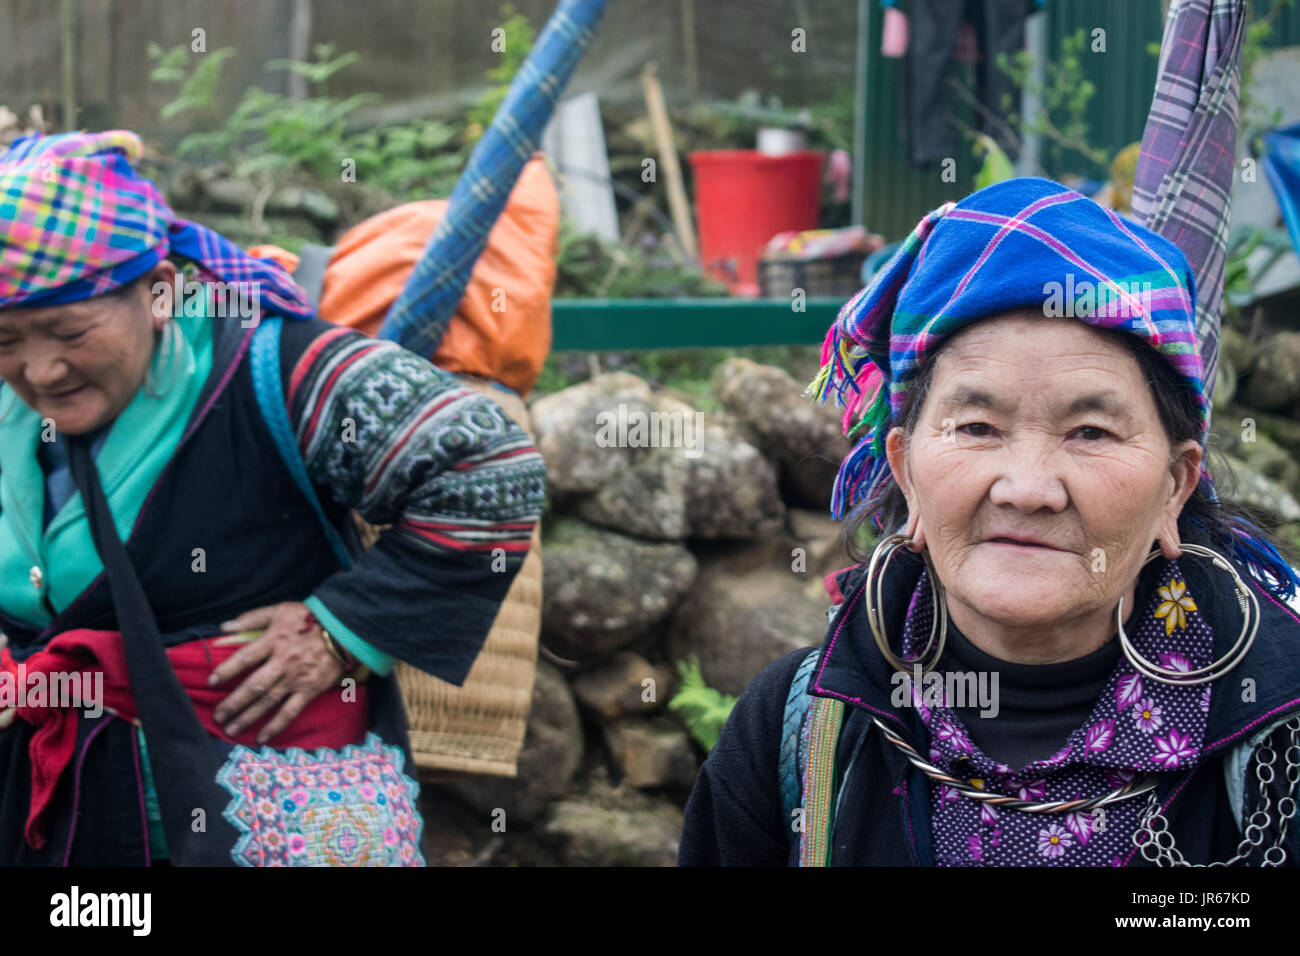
1137,726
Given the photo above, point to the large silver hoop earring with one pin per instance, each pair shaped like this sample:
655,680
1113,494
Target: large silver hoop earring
1249,628
880,557
170,345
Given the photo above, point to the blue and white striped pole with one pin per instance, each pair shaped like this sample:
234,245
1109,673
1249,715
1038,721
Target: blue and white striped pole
419,316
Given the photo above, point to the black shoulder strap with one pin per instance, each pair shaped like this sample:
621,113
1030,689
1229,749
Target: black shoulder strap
310,274
179,746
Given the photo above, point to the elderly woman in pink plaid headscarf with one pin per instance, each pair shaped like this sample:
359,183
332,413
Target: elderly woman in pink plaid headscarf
131,412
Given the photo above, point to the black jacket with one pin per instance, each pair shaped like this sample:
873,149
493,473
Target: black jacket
735,818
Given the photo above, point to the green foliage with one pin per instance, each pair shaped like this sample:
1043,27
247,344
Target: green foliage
419,160
996,167
267,134
685,370
552,378
749,112
198,91
1240,275
832,121
319,72
269,137
289,243
723,124
1289,535
589,267
1254,118
866,538
703,709
518,42
1065,95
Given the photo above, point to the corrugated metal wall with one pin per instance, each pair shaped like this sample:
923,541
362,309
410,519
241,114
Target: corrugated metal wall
1124,75
1286,28
895,195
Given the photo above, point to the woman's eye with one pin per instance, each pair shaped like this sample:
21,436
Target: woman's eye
1093,433
71,338
981,429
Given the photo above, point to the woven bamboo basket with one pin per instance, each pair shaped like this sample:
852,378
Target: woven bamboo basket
478,729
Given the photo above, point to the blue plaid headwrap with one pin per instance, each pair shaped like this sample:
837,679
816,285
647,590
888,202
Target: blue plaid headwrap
1000,249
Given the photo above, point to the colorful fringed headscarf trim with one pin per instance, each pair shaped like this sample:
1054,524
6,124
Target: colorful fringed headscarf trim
1010,246
853,372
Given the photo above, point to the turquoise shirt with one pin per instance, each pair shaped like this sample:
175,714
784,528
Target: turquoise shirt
47,566
37,490
130,456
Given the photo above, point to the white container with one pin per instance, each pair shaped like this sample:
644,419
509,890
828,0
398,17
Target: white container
778,142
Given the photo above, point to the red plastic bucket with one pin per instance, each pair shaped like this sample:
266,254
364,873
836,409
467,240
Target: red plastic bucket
742,199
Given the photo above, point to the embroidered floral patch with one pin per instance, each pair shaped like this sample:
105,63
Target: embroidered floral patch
352,807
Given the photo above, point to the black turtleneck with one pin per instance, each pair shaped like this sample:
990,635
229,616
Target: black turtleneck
1039,705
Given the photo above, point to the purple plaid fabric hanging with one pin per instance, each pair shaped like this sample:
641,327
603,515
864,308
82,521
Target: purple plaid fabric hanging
1183,185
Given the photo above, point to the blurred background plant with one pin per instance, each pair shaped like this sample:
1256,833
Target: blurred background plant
1065,94
13,126
703,709
734,124
272,139
518,40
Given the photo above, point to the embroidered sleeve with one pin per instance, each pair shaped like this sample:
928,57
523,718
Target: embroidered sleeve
386,432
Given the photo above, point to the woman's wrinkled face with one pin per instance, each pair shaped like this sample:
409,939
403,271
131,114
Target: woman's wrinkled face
81,364
1039,474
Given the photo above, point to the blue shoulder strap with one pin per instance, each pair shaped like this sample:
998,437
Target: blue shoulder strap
796,708
265,354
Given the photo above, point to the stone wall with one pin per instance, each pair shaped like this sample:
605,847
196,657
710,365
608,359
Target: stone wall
707,537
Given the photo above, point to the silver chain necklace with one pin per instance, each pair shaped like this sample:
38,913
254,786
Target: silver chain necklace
1156,843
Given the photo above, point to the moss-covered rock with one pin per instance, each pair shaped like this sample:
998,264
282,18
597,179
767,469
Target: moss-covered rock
1274,385
604,590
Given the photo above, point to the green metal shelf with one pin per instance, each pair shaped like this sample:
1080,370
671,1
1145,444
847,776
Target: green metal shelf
613,324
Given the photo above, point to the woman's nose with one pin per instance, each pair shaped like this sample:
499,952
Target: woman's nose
1030,480
45,368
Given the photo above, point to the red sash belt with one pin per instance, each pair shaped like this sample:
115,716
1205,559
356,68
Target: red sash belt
328,721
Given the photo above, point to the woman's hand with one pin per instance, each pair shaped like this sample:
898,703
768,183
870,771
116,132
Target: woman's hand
296,667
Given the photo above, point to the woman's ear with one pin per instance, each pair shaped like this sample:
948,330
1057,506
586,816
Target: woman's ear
1185,470
896,454
160,284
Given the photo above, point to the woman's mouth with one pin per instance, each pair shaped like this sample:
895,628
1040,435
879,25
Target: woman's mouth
1013,543
67,394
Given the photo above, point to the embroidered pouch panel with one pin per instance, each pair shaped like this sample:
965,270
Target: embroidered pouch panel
353,807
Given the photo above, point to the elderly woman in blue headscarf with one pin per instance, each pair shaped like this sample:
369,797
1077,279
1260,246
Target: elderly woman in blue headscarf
1065,649
169,594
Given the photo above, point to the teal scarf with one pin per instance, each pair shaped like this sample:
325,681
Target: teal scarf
140,443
